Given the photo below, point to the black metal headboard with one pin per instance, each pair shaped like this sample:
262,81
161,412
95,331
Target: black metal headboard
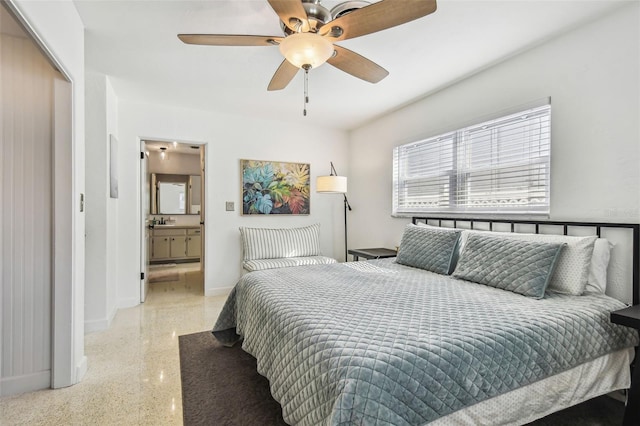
634,227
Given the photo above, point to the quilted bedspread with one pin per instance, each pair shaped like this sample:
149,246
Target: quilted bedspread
384,344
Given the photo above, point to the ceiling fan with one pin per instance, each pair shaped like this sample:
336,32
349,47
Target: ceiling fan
310,31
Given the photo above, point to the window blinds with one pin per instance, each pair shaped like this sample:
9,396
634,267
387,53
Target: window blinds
499,166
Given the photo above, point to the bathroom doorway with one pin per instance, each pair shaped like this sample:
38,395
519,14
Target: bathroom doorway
172,182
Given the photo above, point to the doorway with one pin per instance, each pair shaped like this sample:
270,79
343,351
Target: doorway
172,237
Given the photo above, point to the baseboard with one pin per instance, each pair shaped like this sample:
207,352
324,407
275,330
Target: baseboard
81,369
96,325
91,326
25,383
218,291
112,315
128,303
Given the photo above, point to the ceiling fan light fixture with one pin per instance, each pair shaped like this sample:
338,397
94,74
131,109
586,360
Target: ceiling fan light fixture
306,49
347,7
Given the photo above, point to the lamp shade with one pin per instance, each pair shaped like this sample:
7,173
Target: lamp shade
306,49
331,184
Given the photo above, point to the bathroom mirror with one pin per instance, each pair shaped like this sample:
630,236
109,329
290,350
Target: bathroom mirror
172,198
174,194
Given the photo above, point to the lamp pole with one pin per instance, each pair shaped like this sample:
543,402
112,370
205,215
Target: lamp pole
335,184
346,206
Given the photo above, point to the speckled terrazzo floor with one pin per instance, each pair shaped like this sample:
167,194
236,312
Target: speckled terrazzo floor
134,371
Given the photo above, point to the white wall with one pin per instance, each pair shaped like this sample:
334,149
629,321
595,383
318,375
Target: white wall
174,164
111,303
95,201
58,25
592,75
228,139
101,209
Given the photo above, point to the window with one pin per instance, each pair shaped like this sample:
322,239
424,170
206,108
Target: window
499,166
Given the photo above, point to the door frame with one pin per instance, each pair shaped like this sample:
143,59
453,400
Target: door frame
203,206
141,200
145,200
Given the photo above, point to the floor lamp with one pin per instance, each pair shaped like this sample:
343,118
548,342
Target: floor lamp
334,184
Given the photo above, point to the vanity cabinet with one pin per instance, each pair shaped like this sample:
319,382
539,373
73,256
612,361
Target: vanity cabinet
194,241
159,248
178,247
175,243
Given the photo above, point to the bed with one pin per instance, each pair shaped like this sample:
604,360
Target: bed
435,335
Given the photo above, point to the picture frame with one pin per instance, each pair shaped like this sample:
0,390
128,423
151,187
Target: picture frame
275,187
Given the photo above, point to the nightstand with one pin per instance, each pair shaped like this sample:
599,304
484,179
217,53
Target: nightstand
630,317
372,253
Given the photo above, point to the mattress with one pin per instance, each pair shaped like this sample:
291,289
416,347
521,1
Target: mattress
381,343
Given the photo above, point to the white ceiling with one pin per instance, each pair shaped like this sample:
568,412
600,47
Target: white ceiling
135,43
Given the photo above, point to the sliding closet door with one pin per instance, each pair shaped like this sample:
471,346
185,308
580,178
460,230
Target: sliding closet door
26,98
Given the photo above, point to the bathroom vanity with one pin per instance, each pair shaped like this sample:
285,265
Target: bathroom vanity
175,243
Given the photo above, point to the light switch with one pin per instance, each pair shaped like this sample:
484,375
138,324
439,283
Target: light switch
229,206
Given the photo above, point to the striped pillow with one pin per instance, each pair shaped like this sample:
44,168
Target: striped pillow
285,262
264,243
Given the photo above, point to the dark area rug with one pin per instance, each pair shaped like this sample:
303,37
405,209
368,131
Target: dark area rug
220,386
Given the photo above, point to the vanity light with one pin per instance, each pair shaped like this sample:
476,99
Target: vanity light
163,154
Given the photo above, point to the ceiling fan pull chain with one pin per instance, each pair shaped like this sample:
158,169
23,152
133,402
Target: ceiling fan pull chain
306,88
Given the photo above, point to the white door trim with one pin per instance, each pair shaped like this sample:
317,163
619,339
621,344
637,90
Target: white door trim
144,231
63,365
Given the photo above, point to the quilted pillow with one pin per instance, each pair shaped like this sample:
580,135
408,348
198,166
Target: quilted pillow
427,248
572,271
523,267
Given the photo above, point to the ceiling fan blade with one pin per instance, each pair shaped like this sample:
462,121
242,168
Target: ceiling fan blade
357,65
229,40
291,13
377,16
284,74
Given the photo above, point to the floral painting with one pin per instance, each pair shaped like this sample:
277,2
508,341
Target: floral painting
270,187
